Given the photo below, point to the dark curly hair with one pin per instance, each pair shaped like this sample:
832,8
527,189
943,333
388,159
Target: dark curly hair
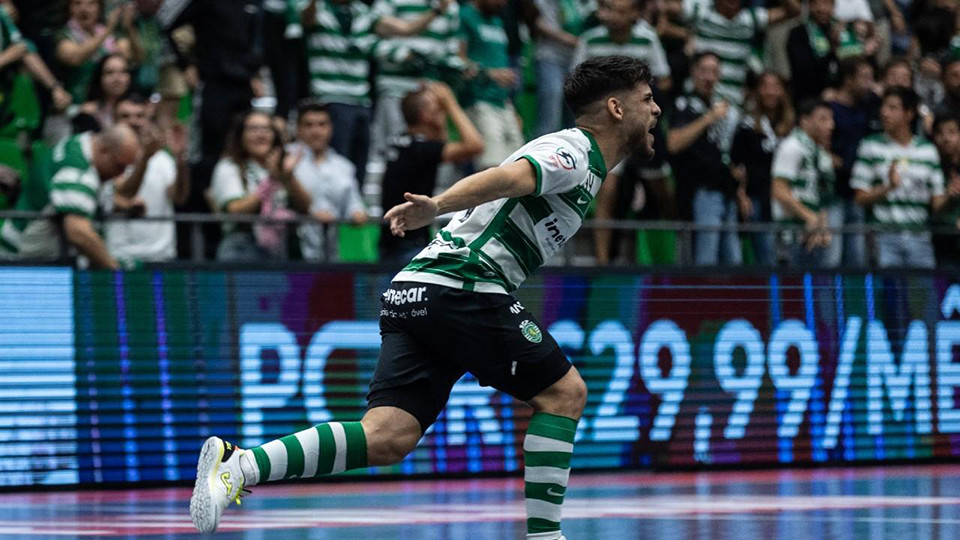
595,79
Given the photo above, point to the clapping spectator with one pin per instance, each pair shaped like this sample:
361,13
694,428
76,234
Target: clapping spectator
803,179
413,159
159,180
701,131
110,82
897,176
84,41
229,53
731,31
329,178
256,177
769,119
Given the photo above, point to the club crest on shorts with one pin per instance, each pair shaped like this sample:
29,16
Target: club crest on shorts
531,331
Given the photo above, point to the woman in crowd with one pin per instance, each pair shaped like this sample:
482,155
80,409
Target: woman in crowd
110,82
770,118
84,41
256,177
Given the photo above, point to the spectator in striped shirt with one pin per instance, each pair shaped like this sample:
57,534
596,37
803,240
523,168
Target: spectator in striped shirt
732,32
81,164
897,176
803,180
624,31
405,61
341,36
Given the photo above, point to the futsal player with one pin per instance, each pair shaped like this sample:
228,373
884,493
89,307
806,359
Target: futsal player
450,311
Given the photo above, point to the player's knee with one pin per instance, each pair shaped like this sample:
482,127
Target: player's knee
388,442
565,398
577,395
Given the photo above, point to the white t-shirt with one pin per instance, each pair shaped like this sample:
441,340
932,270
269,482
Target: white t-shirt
146,240
494,247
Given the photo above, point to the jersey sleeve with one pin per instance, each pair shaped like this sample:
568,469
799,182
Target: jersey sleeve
72,191
786,162
559,165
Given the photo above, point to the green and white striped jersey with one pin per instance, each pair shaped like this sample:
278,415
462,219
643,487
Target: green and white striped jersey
644,44
494,247
438,45
339,59
732,40
808,169
921,178
73,189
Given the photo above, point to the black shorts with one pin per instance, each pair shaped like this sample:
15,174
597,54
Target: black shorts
431,335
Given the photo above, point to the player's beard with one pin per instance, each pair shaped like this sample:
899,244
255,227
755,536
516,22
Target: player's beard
643,143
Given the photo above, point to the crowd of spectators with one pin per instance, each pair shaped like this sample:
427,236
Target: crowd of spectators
815,115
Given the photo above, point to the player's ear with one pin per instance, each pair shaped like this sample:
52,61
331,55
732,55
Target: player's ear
615,107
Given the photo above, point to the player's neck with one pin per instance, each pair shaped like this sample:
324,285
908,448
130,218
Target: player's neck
612,147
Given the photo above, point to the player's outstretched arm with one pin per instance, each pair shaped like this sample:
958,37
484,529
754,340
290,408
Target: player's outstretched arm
515,179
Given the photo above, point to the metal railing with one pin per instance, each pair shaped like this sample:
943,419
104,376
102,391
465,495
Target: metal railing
574,253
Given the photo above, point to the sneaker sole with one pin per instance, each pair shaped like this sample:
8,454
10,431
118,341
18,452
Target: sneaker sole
202,510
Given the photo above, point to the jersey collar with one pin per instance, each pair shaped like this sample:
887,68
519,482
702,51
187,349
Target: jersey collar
596,158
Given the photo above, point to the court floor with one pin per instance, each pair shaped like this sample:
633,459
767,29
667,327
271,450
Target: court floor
900,503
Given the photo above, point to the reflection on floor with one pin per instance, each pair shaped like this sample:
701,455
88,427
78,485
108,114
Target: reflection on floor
831,504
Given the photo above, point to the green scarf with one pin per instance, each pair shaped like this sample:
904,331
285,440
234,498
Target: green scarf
820,43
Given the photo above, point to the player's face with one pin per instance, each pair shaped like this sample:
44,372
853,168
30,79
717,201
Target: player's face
315,130
640,117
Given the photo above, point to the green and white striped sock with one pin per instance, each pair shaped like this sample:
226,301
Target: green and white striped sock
323,449
547,450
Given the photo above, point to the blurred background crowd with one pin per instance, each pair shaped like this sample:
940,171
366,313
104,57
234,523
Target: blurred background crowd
826,131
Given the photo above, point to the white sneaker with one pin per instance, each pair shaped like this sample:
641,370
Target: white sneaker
219,481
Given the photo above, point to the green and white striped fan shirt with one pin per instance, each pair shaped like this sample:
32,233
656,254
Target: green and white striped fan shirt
339,59
439,44
808,169
644,44
494,247
74,189
732,40
921,178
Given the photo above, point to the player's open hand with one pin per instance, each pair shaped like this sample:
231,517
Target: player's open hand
418,211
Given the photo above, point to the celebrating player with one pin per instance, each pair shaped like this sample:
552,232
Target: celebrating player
449,311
